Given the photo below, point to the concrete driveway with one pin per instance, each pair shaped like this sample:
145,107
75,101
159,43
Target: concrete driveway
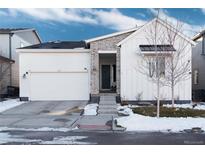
40,114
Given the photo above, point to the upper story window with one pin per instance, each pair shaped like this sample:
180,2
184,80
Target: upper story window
196,77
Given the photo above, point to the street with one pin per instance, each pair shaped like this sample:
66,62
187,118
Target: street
102,138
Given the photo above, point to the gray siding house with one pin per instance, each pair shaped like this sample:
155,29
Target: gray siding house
10,40
198,63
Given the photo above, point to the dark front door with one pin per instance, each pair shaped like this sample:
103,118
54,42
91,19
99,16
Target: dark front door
105,76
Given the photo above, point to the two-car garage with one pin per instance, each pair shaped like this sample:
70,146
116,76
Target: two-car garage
54,73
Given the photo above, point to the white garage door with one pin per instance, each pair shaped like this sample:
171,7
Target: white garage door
59,86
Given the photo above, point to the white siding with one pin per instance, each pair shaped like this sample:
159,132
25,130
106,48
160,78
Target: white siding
27,38
59,67
4,45
133,82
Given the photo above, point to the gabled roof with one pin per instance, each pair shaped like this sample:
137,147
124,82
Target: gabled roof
161,22
111,35
58,45
17,30
5,59
11,30
199,35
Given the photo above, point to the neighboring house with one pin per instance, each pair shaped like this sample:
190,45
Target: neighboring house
10,39
198,63
105,64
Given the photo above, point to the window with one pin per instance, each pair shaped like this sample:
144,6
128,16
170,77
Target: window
196,77
153,65
162,66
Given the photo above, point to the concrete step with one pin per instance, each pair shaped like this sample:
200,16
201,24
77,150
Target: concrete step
108,102
107,111
111,114
107,98
107,107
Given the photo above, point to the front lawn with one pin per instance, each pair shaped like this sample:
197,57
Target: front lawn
169,112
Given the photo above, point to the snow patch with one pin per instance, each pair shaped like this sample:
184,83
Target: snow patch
90,109
7,138
124,110
62,129
66,140
8,104
136,122
199,106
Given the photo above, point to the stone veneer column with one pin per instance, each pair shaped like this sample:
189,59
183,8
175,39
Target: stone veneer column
118,70
94,72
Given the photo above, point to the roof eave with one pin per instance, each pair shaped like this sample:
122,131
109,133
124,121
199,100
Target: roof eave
110,35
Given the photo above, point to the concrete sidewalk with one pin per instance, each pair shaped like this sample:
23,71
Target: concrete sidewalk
107,111
92,122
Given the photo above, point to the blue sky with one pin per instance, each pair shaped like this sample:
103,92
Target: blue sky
81,24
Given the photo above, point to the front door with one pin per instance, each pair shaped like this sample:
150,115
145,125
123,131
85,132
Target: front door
105,76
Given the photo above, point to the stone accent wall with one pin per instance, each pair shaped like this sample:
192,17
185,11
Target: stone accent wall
104,44
118,70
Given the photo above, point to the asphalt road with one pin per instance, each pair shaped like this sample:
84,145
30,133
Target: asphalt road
106,138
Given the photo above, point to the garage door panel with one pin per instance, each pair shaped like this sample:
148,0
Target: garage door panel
59,86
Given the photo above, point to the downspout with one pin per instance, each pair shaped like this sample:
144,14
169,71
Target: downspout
10,56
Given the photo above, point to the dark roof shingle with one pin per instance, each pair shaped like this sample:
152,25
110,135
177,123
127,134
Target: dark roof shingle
5,59
58,45
10,30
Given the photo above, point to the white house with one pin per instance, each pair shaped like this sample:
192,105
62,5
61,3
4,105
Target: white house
10,39
84,70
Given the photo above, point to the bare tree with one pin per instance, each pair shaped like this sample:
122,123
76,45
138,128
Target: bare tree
151,65
169,64
178,65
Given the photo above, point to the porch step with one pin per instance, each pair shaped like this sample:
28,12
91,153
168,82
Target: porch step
107,112
107,98
107,105
107,102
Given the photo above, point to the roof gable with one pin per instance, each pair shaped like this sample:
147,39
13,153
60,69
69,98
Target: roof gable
111,35
162,23
19,30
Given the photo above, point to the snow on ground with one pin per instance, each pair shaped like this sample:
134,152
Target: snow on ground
66,140
124,110
7,138
60,129
90,109
199,106
8,104
136,122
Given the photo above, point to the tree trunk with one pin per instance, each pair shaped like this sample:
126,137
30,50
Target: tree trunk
172,95
172,82
158,99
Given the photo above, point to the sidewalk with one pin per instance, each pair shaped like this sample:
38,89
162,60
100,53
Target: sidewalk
104,120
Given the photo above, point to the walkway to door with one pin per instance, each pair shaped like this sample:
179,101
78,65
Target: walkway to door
104,120
107,105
